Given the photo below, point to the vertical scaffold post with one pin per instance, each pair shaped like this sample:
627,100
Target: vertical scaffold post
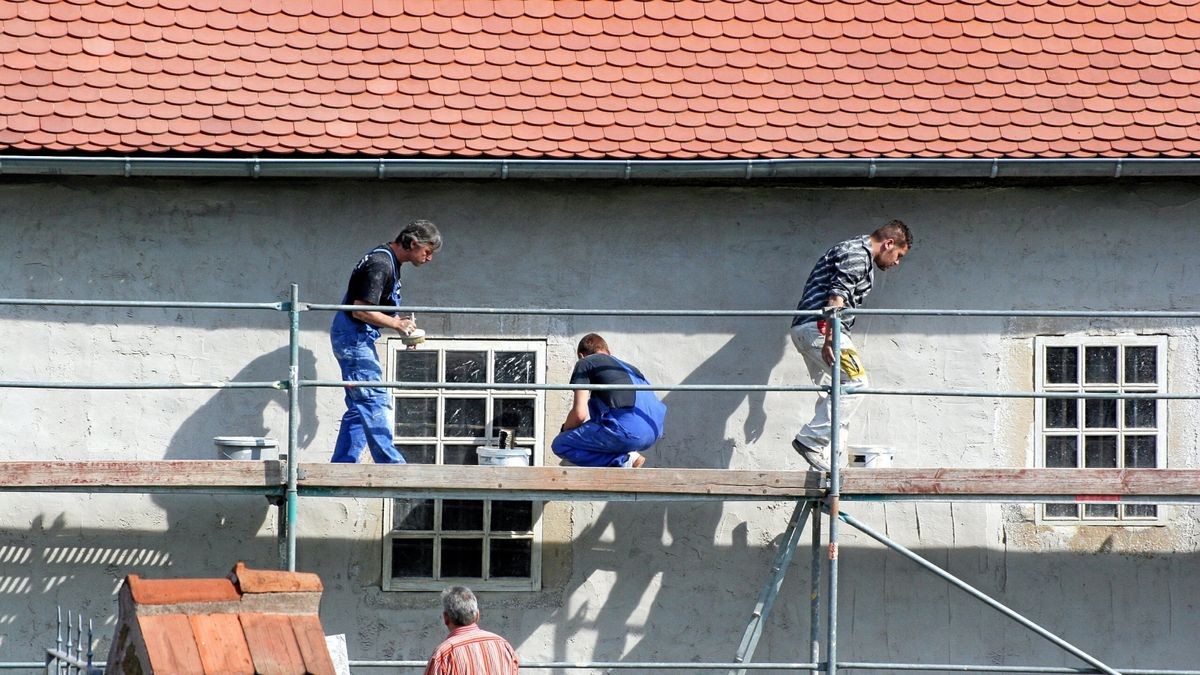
835,486
814,592
293,455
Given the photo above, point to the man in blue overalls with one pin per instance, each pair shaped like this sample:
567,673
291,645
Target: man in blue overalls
375,281
608,427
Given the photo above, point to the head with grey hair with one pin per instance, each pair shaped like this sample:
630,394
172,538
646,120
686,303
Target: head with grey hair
459,606
420,233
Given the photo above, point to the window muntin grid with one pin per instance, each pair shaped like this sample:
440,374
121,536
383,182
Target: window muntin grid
488,544
1095,433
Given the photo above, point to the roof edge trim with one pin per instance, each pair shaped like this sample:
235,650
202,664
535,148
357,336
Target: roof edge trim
603,169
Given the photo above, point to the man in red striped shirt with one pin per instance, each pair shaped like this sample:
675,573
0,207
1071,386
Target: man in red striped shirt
469,650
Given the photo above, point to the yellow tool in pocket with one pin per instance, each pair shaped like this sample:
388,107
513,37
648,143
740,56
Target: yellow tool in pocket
851,366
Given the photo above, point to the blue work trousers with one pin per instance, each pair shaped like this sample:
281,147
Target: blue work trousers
368,418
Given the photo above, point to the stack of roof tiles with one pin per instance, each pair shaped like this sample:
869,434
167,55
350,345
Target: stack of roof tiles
255,621
571,78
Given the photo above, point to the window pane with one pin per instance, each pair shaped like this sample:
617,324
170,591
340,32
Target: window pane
413,514
514,367
416,416
1100,413
466,366
1062,413
460,455
1062,365
1100,452
1141,511
464,417
1141,365
1099,510
416,366
512,516
1062,511
1100,364
1062,452
418,453
1141,413
462,558
1140,452
462,514
412,558
514,413
511,558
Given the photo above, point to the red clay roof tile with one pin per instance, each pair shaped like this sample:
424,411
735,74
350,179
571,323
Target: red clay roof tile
644,63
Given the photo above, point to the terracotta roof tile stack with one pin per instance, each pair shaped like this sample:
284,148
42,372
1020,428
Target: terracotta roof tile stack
570,78
255,621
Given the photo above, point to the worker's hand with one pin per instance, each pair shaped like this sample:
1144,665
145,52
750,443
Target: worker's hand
405,326
827,352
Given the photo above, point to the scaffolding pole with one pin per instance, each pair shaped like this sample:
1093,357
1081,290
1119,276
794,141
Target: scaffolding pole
766,598
293,486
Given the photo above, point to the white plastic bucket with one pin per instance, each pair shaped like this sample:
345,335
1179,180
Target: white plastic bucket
503,456
246,447
871,456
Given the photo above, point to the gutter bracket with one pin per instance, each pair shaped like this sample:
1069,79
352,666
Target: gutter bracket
128,167
871,169
749,169
382,169
628,169
995,167
1117,171
256,169
504,169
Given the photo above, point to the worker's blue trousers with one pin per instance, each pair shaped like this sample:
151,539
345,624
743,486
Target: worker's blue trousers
368,418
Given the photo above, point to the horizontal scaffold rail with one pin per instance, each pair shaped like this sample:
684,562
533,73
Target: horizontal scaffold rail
559,483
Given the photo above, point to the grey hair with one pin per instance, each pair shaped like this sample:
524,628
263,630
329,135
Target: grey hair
420,233
460,605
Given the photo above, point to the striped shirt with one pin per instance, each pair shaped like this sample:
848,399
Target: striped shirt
846,271
470,650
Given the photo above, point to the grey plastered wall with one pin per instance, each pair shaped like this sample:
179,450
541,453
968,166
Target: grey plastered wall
635,581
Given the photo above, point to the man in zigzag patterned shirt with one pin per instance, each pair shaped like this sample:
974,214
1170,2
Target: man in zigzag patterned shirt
841,278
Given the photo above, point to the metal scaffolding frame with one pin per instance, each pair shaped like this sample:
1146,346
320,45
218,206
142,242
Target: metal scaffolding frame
808,509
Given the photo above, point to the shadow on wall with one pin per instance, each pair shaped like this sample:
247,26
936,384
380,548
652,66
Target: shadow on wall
238,412
646,551
1130,610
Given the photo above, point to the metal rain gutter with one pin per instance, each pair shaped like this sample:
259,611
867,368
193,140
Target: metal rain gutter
603,169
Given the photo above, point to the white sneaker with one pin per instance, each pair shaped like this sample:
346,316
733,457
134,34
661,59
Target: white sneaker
814,457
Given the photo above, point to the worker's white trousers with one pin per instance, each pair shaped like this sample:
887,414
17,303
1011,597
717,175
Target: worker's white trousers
808,341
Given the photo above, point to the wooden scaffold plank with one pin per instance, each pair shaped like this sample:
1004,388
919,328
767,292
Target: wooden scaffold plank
149,476
1081,484
560,482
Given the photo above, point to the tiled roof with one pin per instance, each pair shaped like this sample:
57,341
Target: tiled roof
570,78
255,621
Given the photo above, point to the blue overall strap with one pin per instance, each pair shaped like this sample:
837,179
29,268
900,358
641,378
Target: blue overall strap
646,403
395,296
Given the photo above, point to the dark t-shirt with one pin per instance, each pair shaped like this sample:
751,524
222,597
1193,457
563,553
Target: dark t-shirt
372,278
604,369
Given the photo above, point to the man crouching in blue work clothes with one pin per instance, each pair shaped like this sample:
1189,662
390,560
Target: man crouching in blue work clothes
374,281
608,427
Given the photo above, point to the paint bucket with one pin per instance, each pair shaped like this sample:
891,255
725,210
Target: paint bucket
871,456
246,447
503,456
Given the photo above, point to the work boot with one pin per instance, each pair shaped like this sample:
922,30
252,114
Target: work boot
814,457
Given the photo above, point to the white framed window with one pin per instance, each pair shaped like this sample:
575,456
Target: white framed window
486,544
1101,433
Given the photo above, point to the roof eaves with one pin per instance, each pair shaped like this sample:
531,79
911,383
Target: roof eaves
632,169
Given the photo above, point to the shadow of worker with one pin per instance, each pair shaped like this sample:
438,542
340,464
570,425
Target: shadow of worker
236,412
650,548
